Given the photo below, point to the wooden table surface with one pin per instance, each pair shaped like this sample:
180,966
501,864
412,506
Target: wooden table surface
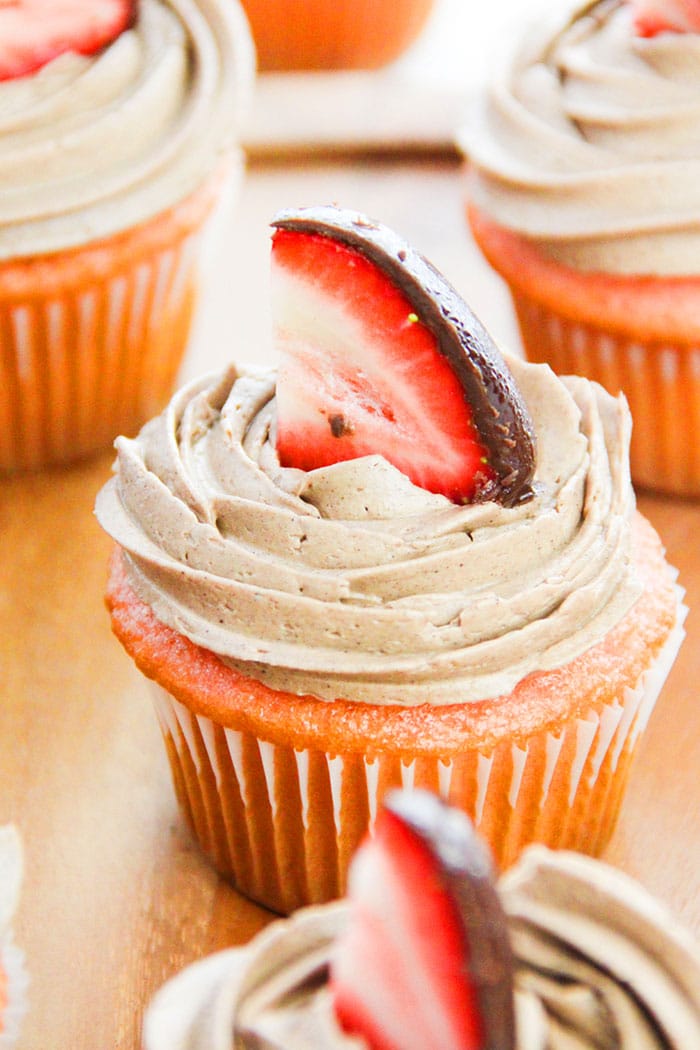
116,897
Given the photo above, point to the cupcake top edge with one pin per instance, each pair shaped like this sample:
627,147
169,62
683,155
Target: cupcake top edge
94,144
349,580
584,140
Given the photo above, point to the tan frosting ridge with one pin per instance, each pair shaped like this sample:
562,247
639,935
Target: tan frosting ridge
350,581
587,140
93,145
600,965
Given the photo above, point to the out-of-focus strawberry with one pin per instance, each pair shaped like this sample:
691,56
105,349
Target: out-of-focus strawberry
34,32
660,16
425,959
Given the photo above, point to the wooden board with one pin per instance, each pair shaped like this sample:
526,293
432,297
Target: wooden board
116,898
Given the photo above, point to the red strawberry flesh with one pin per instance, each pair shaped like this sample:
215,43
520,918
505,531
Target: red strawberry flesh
651,17
34,32
412,970
378,355
373,367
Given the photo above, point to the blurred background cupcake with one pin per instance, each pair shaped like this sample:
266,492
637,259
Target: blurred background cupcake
347,34
584,194
13,976
118,138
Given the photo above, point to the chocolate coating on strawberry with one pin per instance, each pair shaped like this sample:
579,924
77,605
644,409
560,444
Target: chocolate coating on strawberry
500,418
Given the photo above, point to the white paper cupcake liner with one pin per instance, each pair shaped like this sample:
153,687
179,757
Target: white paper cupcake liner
283,823
98,355
660,380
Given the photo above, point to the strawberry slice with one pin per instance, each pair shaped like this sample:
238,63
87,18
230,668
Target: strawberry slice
33,32
425,959
660,16
379,355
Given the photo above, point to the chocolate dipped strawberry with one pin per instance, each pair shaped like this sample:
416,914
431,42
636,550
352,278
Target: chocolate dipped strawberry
380,355
652,17
34,32
425,959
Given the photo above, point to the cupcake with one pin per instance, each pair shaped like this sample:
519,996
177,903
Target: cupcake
400,560
13,977
117,141
584,196
318,34
564,952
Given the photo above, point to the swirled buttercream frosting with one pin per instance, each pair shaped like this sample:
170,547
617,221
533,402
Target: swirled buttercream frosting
600,965
91,145
586,140
349,581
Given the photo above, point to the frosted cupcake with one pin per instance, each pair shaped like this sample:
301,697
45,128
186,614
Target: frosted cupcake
566,952
13,976
584,195
401,560
117,138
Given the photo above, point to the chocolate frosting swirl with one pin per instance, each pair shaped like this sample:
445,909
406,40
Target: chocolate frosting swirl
601,965
93,145
349,581
586,140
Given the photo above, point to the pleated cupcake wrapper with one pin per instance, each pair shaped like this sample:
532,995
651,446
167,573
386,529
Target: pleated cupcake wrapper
81,368
14,983
660,380
282,824
101,356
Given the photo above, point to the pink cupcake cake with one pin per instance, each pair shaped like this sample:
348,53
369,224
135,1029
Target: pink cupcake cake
583,188
563,953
